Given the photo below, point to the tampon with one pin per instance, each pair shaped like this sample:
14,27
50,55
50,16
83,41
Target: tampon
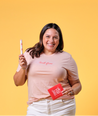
21,47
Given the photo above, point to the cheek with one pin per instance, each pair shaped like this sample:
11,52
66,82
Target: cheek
44,40
57,42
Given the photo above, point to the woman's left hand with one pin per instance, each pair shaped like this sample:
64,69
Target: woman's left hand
68,91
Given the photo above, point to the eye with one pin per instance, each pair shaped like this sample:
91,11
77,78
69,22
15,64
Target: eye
47,36
55,37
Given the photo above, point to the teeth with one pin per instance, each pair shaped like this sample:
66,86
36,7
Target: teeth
51,44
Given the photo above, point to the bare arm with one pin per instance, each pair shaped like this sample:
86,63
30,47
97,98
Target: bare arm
20,76
75,89
76,86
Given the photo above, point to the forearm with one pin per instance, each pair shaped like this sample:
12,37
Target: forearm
19,77
76,88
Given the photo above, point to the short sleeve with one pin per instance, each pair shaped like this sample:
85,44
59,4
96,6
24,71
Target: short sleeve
28,59
72,70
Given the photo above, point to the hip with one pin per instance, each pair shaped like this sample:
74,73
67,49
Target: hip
49,107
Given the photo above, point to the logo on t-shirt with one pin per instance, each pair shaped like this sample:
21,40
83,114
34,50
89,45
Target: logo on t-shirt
46,63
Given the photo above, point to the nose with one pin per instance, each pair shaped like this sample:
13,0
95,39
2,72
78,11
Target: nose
51,39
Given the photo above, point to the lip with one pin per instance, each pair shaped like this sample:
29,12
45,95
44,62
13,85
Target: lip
51,45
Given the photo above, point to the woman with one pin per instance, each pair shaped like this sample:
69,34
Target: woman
44,66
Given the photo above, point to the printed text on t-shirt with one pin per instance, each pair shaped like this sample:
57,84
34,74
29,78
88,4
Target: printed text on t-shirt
46,63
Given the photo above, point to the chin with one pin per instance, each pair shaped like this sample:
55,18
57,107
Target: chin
51,50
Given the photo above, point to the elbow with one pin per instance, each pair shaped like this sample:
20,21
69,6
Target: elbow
80,87
19,80
16,84
77,88
15,81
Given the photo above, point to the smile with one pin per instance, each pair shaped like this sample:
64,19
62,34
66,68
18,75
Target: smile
51,45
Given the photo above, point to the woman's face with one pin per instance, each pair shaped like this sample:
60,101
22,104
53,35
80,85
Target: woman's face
50,40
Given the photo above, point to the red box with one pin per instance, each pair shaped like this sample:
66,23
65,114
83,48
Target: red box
56,91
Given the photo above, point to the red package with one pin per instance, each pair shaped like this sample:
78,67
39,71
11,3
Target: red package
56,91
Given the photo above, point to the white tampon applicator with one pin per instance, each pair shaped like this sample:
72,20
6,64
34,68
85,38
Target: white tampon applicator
21,47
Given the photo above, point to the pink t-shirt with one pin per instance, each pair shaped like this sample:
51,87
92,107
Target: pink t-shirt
49,70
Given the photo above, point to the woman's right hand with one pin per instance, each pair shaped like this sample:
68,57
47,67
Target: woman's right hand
22,61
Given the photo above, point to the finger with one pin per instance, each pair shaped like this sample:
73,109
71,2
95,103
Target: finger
22,60
69,90
71,93
65,91
21,56
23,63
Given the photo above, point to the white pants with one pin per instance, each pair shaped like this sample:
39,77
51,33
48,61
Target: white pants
47,107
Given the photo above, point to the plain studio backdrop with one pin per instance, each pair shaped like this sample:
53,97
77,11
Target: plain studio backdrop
24,19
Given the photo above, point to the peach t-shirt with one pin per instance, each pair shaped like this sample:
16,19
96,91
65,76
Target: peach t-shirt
49,70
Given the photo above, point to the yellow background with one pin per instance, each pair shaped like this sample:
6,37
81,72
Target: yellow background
24,19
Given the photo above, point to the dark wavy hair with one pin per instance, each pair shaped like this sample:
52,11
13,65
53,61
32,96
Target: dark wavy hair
38,48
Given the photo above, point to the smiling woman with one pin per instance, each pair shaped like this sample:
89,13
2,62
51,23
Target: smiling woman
50,41
44,66
51,38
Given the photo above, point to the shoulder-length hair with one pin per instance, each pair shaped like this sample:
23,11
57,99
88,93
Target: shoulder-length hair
38,48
